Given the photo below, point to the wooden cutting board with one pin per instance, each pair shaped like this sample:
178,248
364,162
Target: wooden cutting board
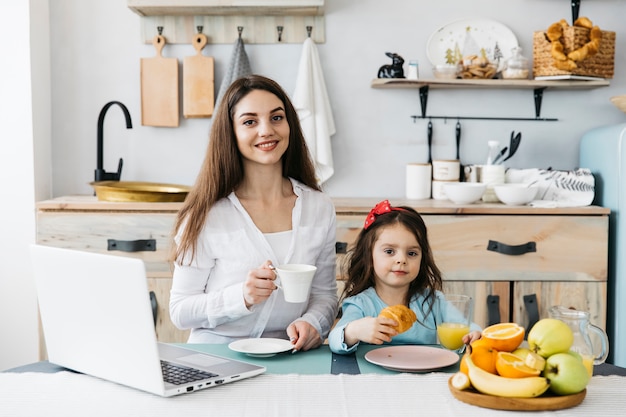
159,88
198,82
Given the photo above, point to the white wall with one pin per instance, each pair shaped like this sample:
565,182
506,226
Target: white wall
95,50
24,122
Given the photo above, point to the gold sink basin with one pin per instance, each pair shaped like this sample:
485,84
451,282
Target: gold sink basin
124,191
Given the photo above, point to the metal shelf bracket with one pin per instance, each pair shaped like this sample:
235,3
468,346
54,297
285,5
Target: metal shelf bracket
537,92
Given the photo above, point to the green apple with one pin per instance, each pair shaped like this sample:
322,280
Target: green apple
566,373
521,352
575,354
550,336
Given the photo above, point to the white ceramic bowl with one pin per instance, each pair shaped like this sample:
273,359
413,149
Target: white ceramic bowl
515,194
464,192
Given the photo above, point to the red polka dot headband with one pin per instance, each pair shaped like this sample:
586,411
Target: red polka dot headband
380,208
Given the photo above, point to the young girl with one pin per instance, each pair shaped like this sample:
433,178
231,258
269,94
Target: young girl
391,263
256,202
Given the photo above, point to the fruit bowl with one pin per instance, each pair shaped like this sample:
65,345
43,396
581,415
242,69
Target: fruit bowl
547,401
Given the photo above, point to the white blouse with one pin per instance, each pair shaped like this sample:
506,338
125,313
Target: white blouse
207,296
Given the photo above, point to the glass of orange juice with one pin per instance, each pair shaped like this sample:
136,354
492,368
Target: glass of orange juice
457,316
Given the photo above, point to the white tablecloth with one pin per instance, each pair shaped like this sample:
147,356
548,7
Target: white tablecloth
67,394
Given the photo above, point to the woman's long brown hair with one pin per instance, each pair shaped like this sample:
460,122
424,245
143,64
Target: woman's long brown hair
222,170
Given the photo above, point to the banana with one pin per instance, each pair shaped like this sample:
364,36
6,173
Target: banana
535,361
460,381
492,384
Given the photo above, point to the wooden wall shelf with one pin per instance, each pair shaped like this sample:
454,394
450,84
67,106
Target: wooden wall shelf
538,87
263,21
226,7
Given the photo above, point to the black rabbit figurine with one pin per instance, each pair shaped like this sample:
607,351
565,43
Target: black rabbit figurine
394,70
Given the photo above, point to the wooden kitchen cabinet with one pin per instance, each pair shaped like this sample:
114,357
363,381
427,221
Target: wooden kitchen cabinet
568,267
564,255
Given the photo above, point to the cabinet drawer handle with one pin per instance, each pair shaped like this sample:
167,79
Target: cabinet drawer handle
511,249
141,245
532,309
341,247
493,309
155,306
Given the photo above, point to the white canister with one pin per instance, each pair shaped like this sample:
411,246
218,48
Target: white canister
439,192
491,175
446,169
418,181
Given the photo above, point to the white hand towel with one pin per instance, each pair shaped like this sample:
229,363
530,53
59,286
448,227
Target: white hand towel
239,67
311,101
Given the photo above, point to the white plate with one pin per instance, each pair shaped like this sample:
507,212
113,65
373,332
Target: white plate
478,34
409,358
261,347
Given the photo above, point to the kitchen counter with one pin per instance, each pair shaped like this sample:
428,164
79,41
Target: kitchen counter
343,206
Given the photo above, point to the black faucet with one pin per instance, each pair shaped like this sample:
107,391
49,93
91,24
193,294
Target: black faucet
100,173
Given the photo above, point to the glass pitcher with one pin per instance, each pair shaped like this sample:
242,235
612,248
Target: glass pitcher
582,328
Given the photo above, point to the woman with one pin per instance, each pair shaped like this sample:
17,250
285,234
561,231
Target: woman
255,203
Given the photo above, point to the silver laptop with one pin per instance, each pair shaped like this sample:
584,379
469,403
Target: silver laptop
97,319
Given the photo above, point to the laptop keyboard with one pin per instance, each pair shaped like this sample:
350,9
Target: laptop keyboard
177,374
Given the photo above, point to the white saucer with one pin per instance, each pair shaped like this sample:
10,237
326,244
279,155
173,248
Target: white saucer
261,347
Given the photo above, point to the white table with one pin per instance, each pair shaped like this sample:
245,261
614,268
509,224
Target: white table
66,394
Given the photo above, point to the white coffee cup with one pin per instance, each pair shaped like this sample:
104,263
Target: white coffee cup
295,281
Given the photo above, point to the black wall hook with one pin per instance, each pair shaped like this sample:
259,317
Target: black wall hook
239,29
309,29
279,29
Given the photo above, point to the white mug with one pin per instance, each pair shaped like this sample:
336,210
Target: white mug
295,281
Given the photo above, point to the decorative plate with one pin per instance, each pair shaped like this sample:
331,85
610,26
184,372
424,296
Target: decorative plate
464,37
261,347
409,358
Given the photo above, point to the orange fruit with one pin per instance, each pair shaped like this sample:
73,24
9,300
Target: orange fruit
512,366
504,337
484,356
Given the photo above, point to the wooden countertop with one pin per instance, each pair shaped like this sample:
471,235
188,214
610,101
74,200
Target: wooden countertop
344,206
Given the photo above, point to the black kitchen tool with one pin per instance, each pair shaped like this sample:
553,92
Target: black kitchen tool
458,149
500,154
515,142
430,141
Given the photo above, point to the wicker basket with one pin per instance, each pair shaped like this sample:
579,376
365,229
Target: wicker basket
599,65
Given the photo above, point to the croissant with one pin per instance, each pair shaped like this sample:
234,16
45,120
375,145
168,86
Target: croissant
583,22
592,47
557,51
579,54
555,31
566,65
404,316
